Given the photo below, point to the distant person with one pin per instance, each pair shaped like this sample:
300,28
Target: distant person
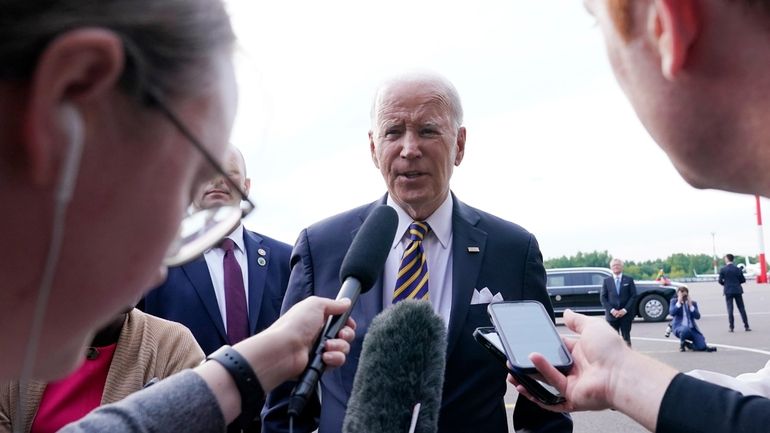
132,351
618,298
235,289
731,277
685,312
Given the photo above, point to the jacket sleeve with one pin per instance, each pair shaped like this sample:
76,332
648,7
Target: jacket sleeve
741,277
604,296
722,276
182,402
710,408
695,313
274,414
673,309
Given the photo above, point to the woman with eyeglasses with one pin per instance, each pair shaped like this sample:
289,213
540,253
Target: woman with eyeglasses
112,113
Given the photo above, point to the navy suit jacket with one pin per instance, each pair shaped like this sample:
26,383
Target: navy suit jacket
508,261
188,297
679,312
731,277
627,298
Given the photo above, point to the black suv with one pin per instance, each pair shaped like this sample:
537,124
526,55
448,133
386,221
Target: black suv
578,289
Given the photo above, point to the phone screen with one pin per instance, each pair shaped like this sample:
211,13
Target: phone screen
526,328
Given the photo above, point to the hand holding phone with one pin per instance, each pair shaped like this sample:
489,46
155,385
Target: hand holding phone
525,327
545,393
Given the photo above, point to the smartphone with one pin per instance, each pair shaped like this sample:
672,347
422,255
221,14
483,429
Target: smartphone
525,327
545,393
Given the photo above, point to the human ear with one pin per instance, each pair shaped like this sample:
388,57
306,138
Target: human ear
460,146
373,150
74,69
674,26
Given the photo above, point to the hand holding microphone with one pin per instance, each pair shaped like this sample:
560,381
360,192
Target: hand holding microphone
360,268
283,347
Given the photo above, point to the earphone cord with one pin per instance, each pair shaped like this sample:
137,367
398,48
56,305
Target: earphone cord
61,202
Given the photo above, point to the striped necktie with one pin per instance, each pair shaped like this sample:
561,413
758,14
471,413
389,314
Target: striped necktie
412,281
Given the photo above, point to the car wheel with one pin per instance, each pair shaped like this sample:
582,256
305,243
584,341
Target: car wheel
653,308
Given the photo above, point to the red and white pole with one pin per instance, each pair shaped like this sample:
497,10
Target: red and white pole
762,277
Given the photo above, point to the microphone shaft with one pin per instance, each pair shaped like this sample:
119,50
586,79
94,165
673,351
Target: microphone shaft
351,289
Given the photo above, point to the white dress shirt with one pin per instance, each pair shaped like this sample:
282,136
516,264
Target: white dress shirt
438,249
214,257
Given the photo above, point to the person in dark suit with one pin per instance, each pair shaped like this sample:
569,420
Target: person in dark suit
618,298
685,312
731,277
199,294
670,57
466,258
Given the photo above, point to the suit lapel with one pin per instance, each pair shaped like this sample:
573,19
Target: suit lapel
198,273
369,304
257,275
465,266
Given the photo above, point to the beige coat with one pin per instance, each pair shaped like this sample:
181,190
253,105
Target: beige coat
148,347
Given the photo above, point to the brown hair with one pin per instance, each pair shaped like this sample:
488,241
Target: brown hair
164,40
622,14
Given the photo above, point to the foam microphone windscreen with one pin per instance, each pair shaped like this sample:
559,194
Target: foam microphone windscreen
401,364
370,247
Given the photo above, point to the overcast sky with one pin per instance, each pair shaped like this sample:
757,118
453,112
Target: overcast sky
552,143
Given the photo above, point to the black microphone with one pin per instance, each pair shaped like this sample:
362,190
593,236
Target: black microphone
402,364
360,268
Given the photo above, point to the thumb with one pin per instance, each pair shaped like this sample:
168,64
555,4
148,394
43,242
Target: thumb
574,321
339,306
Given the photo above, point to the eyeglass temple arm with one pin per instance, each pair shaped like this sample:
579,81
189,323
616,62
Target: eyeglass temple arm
154,98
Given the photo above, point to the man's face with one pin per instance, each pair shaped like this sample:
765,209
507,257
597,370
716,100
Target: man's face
416,144
617,267
217,191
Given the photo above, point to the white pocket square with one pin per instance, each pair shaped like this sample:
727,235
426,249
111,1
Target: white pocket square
484,296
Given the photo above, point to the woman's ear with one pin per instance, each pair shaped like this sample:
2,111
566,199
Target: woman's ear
73,70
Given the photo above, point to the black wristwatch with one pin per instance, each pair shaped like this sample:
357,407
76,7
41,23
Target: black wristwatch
252,394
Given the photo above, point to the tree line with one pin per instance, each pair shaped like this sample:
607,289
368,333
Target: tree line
675,266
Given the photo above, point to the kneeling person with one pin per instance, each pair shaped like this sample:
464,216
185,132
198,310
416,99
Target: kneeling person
685,312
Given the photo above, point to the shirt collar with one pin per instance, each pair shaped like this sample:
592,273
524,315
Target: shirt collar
237,237
440,221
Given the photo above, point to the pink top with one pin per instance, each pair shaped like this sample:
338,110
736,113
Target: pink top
72,397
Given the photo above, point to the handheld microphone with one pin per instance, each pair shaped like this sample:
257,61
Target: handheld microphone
360,268
402,364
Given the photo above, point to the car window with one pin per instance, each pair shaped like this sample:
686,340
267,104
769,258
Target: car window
577,279
555,281
597,279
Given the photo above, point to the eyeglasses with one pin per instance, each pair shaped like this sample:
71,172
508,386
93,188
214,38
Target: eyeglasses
201,228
